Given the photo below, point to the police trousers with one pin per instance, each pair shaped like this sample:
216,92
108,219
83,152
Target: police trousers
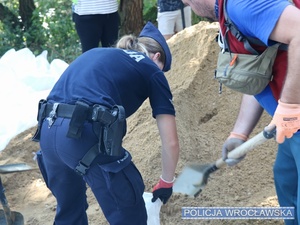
114,180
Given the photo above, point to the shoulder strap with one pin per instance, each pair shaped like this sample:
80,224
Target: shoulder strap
241,37
235,32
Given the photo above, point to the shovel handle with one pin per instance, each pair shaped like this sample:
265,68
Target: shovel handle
247,146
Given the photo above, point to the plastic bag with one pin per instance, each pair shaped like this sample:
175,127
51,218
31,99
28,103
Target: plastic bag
153,209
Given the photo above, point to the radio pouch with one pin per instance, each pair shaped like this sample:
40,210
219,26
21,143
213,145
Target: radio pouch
79,116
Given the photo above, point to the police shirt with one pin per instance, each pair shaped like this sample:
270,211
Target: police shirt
110,76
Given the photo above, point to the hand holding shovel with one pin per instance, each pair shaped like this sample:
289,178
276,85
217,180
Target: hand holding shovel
195,176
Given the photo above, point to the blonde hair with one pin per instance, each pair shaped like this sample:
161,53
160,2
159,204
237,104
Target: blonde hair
145,45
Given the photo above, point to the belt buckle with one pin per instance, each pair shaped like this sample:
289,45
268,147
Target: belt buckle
52,115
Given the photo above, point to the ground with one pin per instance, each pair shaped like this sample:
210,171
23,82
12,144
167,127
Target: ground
204,120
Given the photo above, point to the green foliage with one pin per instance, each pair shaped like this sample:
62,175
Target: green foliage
150,11
59,31
196,19
52,29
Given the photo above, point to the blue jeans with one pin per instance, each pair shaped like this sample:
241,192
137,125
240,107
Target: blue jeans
286,175
115,181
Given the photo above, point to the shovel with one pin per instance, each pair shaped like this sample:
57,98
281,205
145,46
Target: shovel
194,177
16,167
8,217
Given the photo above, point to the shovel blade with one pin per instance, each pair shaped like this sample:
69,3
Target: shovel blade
17,167
16,218
192,179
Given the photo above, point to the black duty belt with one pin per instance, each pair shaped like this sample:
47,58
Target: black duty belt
110,124
96,113
65,110
78,113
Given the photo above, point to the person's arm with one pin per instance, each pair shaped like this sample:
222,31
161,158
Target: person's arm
249,115
170,145
287,115
170,154
287,30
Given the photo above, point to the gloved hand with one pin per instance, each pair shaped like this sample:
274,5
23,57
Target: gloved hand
234,140
163,190
287,120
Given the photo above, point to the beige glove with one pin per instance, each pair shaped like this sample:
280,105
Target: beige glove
287,120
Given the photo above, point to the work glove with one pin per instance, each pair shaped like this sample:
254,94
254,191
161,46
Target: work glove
233,141
287,120
163,190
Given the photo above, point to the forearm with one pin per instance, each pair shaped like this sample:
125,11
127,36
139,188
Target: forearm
170,157
249,115
170,145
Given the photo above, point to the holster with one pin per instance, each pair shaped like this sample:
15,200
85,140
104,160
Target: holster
114,133
110,127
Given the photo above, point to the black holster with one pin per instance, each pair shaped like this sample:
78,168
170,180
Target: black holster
113,133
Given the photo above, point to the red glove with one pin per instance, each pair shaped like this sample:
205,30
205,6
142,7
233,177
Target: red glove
163,190
287,120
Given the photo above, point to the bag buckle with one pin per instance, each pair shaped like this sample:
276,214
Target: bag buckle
52,115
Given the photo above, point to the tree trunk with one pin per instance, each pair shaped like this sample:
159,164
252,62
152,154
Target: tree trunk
26,8
131,13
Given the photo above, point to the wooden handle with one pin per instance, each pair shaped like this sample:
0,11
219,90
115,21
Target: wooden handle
244,148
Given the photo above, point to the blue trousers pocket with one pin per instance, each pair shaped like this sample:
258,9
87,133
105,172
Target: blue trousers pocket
126,186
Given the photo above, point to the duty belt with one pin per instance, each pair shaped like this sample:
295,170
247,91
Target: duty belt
109,125
96,113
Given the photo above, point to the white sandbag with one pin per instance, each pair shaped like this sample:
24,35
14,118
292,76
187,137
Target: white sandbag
25,80
153,209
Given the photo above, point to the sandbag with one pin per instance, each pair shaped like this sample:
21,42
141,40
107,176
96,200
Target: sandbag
153,209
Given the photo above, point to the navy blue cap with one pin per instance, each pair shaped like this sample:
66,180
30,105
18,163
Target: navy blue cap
151,31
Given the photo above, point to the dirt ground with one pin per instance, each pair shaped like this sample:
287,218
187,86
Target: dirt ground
204,120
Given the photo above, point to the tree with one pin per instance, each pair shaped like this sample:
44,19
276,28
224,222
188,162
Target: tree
131,13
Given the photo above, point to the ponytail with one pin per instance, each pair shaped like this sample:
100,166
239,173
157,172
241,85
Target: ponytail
132,43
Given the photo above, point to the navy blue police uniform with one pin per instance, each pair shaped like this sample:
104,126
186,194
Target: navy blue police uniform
103,77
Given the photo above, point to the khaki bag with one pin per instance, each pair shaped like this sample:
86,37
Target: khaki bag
245,73
248,74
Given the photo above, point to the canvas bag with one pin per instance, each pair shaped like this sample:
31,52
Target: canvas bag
248,74
245,73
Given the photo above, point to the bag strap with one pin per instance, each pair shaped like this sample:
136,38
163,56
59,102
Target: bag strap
230,26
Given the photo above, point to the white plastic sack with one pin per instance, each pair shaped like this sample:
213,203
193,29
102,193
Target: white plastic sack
153,209
25,79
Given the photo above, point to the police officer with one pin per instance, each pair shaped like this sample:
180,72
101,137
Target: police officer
83,120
